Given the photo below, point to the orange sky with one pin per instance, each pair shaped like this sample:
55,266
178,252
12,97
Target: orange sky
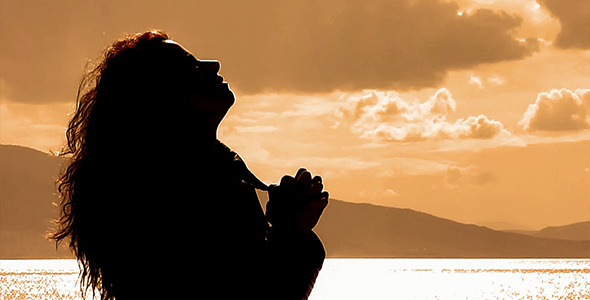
474,110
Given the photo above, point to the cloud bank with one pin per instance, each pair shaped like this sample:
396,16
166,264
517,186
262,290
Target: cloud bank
558,110
382,44
574,16
264,45
386,116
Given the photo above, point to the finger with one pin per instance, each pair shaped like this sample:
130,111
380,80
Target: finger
287,180
317,179
317,198
316,188
303,178
316,208
273,190
318,203
325,202
316,185
301,170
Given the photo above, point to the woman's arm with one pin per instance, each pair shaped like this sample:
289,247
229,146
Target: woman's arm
295,254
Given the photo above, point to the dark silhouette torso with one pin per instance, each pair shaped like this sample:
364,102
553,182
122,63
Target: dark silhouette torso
194,227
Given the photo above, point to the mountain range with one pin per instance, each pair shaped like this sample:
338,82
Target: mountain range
28,197
366,230
573,232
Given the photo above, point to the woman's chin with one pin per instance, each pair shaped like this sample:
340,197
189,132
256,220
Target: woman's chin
226,94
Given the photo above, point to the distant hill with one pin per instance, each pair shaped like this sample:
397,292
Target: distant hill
27,194
27,191
366,230
573,232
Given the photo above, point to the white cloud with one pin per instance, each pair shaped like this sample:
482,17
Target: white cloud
386,116
379,193
496,80
482,81
255,129
479,127
475,80
558,110
390,193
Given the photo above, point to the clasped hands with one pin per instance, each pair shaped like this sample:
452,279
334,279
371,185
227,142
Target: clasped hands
297,202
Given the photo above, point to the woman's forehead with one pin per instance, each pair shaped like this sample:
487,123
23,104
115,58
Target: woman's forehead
182,52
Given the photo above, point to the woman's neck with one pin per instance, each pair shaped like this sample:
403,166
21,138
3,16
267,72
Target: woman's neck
205,134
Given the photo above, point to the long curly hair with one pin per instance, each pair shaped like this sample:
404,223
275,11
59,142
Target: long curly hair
115,101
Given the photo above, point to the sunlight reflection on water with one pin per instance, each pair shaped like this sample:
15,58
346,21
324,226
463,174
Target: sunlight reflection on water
362,279
39,279
453,279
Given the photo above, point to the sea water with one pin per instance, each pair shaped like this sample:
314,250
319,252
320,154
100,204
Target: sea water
370,279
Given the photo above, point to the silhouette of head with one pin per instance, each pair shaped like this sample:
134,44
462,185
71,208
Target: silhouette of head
153,87
147,90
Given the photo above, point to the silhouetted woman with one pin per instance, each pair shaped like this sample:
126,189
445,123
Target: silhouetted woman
155,207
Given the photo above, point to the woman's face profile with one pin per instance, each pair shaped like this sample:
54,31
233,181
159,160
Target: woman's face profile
205,90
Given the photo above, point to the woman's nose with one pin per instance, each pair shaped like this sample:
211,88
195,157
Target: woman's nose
210,65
